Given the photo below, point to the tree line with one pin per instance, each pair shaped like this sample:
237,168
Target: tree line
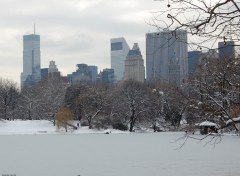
211,93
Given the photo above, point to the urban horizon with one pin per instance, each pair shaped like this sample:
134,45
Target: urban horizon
69,43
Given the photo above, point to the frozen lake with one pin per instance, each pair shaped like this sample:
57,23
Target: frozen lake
150,154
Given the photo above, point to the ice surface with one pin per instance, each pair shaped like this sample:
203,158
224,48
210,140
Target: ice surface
135,154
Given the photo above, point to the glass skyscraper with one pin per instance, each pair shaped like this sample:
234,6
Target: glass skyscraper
166,56
119,51
31,60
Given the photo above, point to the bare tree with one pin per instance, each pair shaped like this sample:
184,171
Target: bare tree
210,21
168,104
217,88
9,94
91,102
133,100
43,100
51,93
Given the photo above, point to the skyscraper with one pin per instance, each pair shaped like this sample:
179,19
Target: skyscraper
226,50
193,60
134,65
31,60
166,56
119,51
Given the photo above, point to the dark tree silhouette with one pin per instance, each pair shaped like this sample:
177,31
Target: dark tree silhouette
210,21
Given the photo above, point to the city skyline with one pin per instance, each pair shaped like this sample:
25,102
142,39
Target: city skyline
68,31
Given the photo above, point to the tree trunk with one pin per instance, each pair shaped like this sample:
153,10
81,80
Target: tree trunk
132,123
131,126
132,120
89,119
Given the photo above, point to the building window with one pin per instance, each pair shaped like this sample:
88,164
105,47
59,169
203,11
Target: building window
116,46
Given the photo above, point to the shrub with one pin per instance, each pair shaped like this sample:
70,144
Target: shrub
84,123
64,117
120,126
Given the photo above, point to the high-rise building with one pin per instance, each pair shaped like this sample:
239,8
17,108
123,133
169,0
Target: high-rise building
93,71
226,50
107,76
44,73
134,65
53,70
31,60
166,56
83,73
52,67
119,51
194,58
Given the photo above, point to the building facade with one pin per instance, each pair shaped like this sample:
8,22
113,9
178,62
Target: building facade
119,51
31,60
226,50
107,76
83,73
134,65
167,56
44,73
194,58
52,67
53,70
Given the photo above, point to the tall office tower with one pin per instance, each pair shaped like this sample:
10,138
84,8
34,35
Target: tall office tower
226,50
166,56
93,72
134,65
194,58
31,60
119,51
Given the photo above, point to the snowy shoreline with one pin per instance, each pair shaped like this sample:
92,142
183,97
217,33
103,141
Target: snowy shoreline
42,127
45,127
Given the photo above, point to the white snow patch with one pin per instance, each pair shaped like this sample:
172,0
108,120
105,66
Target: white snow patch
233,120
45,127
207,123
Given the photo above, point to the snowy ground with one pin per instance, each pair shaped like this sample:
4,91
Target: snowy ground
42,127
134,154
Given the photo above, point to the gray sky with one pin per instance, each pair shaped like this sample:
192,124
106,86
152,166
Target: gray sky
72,31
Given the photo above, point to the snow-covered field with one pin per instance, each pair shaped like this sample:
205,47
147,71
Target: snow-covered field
135,154
42,127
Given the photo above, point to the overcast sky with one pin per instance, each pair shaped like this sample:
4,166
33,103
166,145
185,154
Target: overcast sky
72,31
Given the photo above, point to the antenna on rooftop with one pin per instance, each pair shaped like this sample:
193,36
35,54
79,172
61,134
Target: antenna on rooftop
34,29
